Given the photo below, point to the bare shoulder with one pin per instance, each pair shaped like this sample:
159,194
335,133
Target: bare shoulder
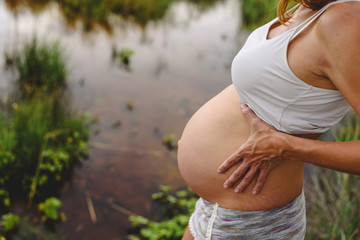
340,23
338,32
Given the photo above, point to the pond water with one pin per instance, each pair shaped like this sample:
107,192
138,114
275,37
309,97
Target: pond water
180,62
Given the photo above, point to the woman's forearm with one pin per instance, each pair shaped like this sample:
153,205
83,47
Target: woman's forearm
340,156
266,146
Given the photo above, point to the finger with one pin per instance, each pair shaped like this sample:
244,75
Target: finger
248,113
229,162
236,176
260,180
246,180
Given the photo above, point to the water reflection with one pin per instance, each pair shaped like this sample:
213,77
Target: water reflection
92,13
179,63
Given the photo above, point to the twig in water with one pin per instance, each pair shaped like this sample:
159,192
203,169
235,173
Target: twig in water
120,209
91,207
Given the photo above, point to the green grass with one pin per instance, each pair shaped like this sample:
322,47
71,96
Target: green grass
257,12
41,66
334,205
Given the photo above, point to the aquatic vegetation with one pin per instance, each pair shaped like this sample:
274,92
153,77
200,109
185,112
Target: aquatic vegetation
36,141
40,66
124,56
334,203
117,123
40,139
169,142
30,228
130,105
50,208
176,209
9,222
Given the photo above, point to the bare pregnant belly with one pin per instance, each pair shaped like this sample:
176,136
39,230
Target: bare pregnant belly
215,131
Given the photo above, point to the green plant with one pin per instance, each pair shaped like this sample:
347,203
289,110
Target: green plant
29,228
176,209
334,203
47,138
50,208
9,222
41,67
169,141
40,139
6,161
124,56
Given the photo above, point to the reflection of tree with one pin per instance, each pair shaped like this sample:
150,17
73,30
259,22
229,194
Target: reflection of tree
97,12
204,4
35,5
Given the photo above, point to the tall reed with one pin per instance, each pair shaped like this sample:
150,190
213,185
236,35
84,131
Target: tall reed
41,67
334,202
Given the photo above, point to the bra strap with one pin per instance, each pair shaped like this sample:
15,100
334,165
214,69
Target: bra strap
311,19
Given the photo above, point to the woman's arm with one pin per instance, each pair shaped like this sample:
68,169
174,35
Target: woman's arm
338,31
340,156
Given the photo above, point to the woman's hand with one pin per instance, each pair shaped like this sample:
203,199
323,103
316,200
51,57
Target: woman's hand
258,155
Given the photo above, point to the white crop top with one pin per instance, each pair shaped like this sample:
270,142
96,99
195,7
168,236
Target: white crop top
264,81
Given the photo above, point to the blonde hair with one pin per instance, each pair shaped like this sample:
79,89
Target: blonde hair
313,4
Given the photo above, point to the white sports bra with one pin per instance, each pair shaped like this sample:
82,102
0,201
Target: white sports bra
264,81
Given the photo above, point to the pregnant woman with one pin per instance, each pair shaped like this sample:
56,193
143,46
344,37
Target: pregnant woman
243,152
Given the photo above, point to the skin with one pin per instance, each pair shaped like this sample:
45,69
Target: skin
333,44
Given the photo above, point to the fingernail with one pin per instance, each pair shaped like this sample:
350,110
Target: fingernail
254,192
237,190
242,106
226,186
218,171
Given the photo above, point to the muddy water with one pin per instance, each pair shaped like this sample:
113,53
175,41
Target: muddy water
180,62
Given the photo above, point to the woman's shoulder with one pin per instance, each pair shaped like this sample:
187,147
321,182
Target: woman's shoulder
339,36
339,21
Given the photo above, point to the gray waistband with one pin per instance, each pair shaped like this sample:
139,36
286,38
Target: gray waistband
285,222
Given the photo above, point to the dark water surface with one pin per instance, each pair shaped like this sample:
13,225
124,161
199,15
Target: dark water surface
180,62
